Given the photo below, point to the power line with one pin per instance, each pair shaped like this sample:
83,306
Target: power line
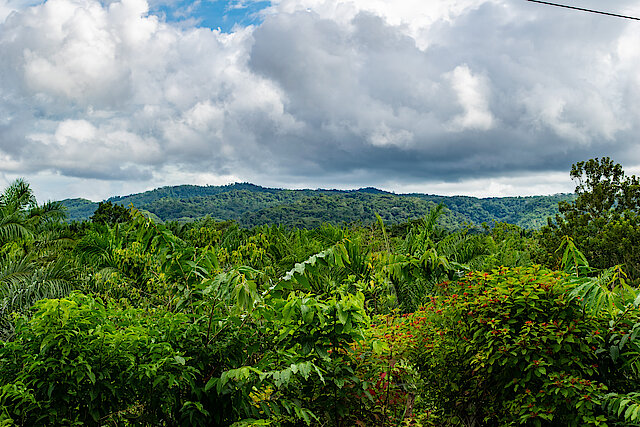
585,10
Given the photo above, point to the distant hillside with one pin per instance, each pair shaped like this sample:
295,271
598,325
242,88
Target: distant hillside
251,205
79,209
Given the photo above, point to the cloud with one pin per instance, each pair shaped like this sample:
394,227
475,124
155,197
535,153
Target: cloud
472,96
362,92
88,86
472,104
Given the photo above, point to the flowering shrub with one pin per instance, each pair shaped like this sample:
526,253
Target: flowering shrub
392,382
509,347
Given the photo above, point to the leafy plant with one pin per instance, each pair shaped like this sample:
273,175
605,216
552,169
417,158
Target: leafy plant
83,362
510,347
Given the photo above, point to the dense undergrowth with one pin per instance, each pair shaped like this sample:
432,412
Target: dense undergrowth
122,321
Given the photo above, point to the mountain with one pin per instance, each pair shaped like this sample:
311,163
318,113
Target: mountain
252,205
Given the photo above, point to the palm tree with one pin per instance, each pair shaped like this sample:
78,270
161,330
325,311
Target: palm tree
23,282
32,264
15,201
427,257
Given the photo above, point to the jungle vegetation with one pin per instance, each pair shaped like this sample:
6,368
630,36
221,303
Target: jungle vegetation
123,320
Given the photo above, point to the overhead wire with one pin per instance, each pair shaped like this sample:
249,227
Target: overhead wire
585,10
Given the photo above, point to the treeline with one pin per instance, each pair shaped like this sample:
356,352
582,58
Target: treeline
251,205
123,320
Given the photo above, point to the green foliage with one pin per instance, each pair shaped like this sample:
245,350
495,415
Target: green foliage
394,382
603,220
509,246
606,294
22,283
625,406
426,257
34,259
510,347
110,214
309,372
77,361
525,212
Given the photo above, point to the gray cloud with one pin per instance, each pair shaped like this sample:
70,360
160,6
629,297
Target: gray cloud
490,95
344,93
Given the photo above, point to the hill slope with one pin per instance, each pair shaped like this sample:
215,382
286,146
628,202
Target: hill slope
252,205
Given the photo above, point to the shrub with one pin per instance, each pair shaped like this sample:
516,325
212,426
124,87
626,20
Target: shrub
76,361
509,347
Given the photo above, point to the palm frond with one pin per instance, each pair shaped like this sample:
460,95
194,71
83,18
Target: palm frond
18,196
606,293
23,282
97,249
12,228
46,214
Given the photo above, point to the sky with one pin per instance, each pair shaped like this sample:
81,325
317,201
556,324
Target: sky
472,97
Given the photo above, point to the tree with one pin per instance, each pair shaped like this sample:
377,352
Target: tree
33,261
602,189
110,214
603,220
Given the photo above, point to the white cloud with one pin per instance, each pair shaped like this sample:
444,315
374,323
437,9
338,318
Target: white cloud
76,55
508,186
472,92
382,136
9,6
412,17
102,86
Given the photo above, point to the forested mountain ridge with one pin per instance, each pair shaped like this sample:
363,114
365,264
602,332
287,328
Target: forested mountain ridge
252,205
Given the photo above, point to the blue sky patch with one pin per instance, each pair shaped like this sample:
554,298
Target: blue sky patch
223,14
